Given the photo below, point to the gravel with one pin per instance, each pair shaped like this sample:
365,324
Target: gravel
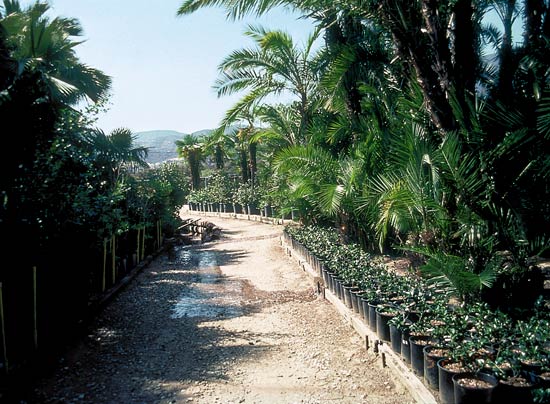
230,321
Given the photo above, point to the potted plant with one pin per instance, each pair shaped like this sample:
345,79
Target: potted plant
399,334
474,387
384,313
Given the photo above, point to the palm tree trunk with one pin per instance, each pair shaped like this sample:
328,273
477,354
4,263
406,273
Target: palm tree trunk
252,161
244,166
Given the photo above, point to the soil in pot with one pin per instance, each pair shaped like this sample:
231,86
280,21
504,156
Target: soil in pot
432,355
417,344
446,370
472,388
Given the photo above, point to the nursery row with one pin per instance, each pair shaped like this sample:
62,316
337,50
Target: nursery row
433,332
237,208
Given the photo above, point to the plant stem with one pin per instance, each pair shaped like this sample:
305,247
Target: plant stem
143,243
35,315
103,276
138,246
113,258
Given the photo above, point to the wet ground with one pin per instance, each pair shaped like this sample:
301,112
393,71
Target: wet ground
233,321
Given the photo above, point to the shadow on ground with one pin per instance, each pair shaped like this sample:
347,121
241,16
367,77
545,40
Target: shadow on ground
161,334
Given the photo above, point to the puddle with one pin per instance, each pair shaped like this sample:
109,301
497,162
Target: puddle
207,293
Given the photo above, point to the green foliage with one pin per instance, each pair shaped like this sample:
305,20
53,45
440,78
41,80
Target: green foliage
246,194
219,187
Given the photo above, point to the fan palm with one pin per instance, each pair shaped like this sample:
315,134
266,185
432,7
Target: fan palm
116,151
216,144
274,66
47,46
191,148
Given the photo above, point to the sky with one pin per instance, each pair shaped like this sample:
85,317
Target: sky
163,66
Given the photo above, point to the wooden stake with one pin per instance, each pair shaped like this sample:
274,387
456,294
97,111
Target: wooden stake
143,243
113,258
3,329
158,234
138,249
35,316
103,274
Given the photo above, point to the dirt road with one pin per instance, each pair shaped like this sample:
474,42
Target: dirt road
231,321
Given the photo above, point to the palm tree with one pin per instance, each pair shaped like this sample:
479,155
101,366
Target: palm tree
47,46
116,152
246,144
275,66
216,143
191,148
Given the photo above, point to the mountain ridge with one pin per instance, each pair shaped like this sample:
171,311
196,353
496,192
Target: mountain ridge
162,143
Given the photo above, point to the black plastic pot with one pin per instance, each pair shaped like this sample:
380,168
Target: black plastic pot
544,380
382,326
347,296
405,347
509,392
431,371
395,339
355,303
339,286
473,395
335,284
372,315
326,278
445,382
417,353
365,304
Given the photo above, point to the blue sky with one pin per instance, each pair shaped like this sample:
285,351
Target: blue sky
163,67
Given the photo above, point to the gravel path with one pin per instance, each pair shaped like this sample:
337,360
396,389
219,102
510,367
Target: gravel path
231,321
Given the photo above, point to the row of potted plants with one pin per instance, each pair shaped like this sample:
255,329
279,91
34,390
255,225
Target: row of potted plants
439,337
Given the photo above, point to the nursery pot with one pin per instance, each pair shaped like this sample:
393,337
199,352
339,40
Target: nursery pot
355,302
365,304
395,339
339,288
516,389
417,344
372,315
470,388
347,296
544,380
405,346
326,278
531,367
445,380
382,326
432,354
334,284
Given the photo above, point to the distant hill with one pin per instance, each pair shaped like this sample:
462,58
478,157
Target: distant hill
162,143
